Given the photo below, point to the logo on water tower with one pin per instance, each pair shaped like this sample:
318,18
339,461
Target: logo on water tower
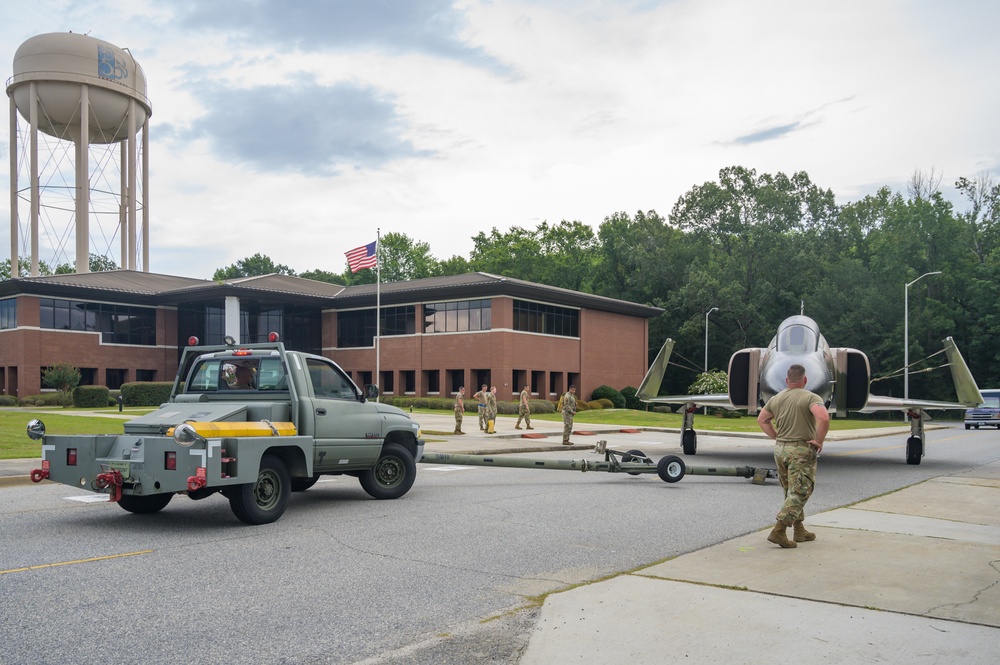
109,67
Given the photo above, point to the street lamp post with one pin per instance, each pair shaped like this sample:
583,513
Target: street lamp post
906,332
714,309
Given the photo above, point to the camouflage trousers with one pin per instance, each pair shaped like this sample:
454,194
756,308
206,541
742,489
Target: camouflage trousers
567,426
458,420
797,474
522,412
482,416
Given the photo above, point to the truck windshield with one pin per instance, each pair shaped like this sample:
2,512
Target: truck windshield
237,374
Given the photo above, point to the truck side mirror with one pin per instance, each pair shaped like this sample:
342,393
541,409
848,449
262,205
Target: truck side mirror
372,391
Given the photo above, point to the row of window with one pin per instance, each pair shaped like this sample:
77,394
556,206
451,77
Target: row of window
357,328
118,324
124,324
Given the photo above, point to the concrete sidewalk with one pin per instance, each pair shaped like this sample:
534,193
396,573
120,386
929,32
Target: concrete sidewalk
910,577
913,576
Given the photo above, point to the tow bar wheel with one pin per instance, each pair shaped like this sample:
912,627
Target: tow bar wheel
670,469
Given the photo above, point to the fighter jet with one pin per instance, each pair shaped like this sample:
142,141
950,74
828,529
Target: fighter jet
840,376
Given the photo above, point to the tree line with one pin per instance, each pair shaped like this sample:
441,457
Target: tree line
762,247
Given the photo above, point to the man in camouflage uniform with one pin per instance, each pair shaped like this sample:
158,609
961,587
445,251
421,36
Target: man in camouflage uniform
798,422
523,411
481,396
568,411
459,409
491,409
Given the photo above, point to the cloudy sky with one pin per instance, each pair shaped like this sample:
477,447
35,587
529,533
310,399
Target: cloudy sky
296,128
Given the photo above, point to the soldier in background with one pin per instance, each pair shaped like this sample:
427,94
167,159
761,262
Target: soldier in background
459,409
491,410
523,411
568,411
481,396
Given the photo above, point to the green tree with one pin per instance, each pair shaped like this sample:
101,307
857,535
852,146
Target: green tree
515,253
252,266
97,263
323,276
63,377
24,268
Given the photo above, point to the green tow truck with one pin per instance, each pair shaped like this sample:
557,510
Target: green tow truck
254,422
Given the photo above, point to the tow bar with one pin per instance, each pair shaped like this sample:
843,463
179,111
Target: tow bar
670,469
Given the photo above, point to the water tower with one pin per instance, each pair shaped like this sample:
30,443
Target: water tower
89,96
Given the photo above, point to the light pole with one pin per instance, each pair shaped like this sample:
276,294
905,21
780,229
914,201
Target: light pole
906,332
714,309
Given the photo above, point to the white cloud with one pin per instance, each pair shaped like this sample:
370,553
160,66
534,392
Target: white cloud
296,130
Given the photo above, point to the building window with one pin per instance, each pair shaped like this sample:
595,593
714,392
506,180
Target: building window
115,378
8,313
118,324
459,316
546,319
145,375
409,377
357,328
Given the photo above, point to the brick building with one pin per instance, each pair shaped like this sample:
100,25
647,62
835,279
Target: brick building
436,334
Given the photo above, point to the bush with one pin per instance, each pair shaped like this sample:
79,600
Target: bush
662,409
90,396
45,399
582,406
631,398
607,392
7,400
146,393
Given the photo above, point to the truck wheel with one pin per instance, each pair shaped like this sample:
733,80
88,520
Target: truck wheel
144,505
393,473
264,501
302,484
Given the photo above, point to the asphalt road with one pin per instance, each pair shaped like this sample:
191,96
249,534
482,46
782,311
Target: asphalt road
447,574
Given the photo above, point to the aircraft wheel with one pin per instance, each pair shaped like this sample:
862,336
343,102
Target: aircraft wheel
634,456
968,426
670,469
689,442
914,450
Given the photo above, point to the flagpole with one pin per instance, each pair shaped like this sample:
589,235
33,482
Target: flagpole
378,308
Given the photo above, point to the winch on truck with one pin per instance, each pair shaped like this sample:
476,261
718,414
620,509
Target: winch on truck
254,422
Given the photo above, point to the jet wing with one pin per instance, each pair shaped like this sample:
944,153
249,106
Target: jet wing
650,387
965,388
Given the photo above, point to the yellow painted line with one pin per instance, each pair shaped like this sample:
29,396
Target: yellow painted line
70,563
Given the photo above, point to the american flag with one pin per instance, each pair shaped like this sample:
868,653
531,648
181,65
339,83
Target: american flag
362,257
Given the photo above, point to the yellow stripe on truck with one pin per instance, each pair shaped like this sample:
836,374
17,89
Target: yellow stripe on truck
212,430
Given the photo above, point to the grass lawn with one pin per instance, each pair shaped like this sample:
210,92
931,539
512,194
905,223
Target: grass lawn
674,420
15,444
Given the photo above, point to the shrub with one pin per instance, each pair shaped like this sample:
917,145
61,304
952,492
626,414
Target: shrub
146,393
662,409
90,396
582,406
631,398
594,404
607,392
7,400
45,399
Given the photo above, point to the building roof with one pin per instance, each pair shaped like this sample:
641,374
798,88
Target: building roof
131,286
484,285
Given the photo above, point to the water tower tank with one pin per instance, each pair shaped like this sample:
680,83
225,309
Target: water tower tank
58,63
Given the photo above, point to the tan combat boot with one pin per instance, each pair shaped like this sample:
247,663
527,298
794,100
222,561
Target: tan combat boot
778,537
801,535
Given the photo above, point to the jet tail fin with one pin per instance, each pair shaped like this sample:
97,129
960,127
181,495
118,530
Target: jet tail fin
965,385
650,386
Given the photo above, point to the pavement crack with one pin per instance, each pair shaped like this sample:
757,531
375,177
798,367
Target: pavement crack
995,565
